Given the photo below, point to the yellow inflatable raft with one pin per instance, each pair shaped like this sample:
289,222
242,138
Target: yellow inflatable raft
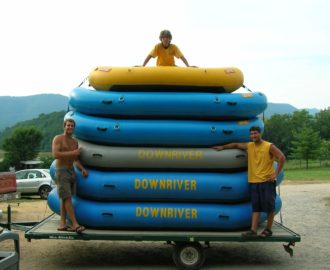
190,79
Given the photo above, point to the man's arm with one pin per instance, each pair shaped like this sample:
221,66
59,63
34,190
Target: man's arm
184,60
84,172
277,153
242,146
147,60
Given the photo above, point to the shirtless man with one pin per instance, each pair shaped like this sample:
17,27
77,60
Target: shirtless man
66,153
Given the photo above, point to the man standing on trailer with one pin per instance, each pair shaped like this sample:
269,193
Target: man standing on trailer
66,153
261,176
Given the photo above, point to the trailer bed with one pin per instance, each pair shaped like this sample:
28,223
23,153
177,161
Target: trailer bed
47,229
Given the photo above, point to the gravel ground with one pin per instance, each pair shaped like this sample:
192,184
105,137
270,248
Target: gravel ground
306,210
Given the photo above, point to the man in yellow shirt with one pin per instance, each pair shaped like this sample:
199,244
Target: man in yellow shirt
165,51
261,176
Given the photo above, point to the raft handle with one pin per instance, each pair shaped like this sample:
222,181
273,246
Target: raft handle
240,156
213,129
226,188
107,214
107,102
116,127
227,131
102,128
121,99
231,103
109,186
97,155
223,216
217,100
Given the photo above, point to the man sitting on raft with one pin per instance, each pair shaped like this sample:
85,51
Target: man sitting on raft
165,51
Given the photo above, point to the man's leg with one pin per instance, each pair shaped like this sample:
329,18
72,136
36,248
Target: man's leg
69,209
270,219
63,215
255,221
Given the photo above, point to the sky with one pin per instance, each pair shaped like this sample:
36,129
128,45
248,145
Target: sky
281,46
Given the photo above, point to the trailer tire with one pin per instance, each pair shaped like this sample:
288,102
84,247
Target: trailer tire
189,255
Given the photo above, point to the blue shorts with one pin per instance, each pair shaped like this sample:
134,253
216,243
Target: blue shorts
263,196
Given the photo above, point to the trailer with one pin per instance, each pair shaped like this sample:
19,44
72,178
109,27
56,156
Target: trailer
189,246
9,260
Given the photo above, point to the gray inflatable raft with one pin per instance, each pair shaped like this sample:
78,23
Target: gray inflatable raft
114,157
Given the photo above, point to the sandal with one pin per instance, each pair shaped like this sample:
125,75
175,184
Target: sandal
249,233
266,233
79,229
63,229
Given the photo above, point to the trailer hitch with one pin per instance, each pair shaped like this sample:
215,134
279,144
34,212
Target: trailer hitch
288,249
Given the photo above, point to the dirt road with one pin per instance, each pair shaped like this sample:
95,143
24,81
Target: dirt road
306,210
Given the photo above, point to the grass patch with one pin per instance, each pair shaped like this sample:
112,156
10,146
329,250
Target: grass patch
311,174
327,201
301,164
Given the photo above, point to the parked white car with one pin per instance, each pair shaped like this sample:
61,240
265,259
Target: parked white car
34,181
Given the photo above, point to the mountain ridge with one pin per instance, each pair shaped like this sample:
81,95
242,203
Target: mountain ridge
32,106
17,109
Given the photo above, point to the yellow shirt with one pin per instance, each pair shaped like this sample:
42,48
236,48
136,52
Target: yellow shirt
165,57
260,162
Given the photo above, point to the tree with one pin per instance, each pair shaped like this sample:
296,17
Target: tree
305,144
22,145
277,131
46,161
50,125
324,153
323,123
300,119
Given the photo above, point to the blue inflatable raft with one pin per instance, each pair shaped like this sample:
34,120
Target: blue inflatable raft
160,132
167,105
163,186
158,215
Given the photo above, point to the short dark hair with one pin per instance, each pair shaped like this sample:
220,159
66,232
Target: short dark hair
255,128
69,120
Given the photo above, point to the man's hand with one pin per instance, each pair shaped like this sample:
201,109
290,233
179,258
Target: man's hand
84,172
218,147
272,177
76,152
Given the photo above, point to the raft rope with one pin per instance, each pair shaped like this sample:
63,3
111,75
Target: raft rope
263,113
247,88
83,81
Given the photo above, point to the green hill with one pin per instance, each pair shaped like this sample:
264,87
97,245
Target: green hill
49,124
18,109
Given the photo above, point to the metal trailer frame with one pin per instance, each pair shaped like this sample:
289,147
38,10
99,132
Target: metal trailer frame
188,251
9,260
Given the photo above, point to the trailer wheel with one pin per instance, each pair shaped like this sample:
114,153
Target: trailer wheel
189,255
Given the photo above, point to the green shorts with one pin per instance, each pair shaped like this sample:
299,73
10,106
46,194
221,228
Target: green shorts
66,182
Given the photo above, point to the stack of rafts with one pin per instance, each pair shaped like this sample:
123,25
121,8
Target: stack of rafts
147,140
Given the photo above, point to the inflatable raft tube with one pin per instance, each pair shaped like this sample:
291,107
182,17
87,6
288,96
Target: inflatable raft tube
166,79
160,215
167,105
160,132
163,186
116,157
